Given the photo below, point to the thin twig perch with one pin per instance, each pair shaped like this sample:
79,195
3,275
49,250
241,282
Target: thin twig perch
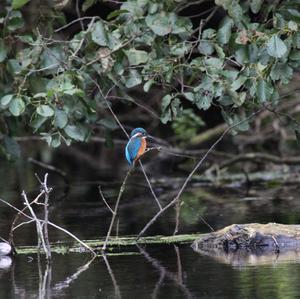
115,211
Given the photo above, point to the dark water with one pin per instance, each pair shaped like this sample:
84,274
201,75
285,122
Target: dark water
152,271
156,272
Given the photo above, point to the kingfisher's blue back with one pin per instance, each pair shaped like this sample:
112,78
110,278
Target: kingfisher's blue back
136,146
132,149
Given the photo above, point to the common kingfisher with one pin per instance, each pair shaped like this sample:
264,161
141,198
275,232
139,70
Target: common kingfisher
136,145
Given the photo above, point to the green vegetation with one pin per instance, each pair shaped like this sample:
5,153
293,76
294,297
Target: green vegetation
54,80
114,243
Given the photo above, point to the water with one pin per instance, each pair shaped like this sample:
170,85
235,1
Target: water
152,271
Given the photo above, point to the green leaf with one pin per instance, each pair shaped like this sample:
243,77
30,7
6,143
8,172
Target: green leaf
236,84
293,26
297,133
6,99
148,85
99,34
281,71
45,110
51,59
40,95
55,141
16,106
276,47
181,25
264,91
3,52
37,121
244,124
235,11
237,98
175,107
108,123
255,5
295,55
166,100
77,133
224,32
189,96
60,118
136,57
214,62
133,79
14,67
16,4
208,33
296,39
180,49
12,147
220,51
206,47
203,101
75,91
166,116
136,8
15,21
87,4
159,23
27,39
116,13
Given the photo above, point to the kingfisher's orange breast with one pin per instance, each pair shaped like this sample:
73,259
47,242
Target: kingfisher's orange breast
142,148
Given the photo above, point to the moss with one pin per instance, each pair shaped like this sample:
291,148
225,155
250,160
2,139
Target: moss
117,242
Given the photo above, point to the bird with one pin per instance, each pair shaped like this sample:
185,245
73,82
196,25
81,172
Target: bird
136,145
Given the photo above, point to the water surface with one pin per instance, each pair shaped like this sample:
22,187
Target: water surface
152,271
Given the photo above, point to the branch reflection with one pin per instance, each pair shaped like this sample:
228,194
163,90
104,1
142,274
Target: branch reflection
164,273
112,276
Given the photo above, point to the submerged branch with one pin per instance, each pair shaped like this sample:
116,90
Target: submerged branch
113,243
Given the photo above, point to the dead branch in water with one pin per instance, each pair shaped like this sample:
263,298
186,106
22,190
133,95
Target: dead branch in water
41,224
39,228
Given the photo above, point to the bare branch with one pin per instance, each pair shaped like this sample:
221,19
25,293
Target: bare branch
51,224
116,209
149,184
177,197
104,200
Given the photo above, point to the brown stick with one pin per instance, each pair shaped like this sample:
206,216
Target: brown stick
150,186
46,215
114,214
21,212
39,229
51,168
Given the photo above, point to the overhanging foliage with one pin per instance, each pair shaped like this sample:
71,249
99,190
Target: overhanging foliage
236,62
